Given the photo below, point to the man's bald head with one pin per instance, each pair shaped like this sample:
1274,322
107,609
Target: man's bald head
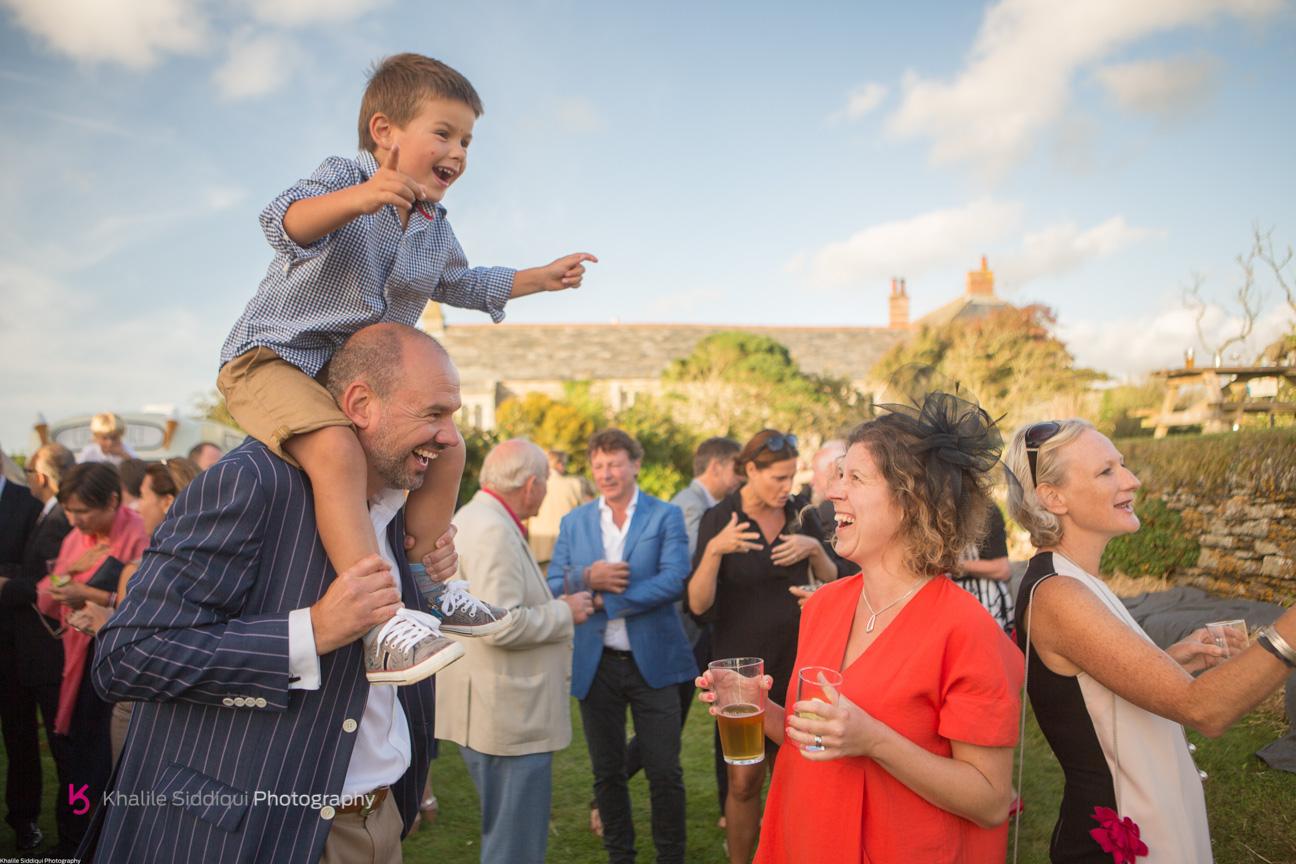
379,355
824,466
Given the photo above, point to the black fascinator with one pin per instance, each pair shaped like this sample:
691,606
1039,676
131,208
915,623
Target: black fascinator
952,431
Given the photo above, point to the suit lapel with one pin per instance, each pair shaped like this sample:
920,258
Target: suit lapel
637,522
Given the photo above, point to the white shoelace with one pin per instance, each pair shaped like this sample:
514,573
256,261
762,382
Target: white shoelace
405,630
456,596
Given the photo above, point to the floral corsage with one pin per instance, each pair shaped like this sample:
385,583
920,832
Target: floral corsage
1118,836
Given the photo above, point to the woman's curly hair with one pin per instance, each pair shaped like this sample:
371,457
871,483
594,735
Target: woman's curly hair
936,457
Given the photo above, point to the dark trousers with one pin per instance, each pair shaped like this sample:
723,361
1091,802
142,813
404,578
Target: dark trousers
18,724
656,714
688,695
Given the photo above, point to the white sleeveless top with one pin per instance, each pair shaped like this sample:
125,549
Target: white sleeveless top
1158,786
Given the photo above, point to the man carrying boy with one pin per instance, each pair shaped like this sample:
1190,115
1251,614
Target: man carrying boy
365,241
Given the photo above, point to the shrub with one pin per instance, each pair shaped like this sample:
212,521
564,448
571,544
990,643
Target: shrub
1158,548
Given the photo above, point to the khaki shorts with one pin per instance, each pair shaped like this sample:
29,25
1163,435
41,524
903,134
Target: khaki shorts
273,400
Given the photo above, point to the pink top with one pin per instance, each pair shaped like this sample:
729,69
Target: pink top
126,542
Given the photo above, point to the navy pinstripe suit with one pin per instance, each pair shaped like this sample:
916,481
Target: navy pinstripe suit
205,622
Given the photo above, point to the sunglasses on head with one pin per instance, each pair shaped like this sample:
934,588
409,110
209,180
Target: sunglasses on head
1035,437
776,443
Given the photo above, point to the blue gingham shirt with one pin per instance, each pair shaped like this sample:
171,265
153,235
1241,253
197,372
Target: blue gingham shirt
367,271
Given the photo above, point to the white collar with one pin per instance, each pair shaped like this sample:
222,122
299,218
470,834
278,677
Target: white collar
604,507
385,504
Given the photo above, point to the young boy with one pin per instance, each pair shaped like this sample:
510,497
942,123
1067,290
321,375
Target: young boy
363,241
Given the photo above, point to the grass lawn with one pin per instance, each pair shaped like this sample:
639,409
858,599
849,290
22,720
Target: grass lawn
1252,808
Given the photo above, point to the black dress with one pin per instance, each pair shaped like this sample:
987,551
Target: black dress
754,614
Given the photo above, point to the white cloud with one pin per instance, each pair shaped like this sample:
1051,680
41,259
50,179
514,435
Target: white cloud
1060,249
257,65
1132,347
910,247
1175,86
89,360
300,13
133,33
1019,74
859,102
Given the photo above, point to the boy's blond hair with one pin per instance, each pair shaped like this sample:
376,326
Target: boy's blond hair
107,424
399,85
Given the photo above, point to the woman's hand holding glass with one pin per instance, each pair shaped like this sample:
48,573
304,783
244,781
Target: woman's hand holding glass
843,729
1198,651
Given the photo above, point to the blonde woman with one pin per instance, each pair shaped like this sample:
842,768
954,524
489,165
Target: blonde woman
1109,701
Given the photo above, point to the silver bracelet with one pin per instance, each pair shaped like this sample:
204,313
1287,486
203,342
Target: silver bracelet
1284,651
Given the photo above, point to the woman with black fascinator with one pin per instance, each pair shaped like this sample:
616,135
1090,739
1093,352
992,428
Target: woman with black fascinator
910,759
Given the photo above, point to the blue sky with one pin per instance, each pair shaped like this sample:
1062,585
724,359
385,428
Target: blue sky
746,163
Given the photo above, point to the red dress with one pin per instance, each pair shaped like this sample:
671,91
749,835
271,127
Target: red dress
942,670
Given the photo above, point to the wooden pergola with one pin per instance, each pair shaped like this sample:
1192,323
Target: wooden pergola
1214,413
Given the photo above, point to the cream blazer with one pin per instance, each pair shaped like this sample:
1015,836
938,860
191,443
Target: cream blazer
510,694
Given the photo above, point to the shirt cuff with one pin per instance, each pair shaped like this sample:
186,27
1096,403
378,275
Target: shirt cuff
303,662
499,288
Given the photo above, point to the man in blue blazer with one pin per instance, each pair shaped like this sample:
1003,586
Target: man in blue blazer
632,551
256,737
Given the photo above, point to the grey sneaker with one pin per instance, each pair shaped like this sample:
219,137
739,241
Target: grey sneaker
406,650
463,614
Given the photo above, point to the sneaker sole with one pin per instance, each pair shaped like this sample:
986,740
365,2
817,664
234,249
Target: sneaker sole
478,629
418,672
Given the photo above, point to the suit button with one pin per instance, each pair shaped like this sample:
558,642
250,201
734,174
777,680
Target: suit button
327,812
239,701
227,702
349,725
260,702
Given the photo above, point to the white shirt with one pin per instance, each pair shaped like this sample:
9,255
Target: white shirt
615,636
382,751
93,453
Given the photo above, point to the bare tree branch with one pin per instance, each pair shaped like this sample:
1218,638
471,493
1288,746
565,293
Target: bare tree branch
1264,250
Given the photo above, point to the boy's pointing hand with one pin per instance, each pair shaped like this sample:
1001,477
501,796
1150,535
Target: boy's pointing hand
566,272
389,186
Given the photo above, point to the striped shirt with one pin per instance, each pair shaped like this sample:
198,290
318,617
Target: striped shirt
367,271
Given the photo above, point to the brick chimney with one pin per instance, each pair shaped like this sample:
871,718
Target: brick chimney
899,305
980,283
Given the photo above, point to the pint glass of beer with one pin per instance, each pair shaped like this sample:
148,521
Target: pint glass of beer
740,701
817,682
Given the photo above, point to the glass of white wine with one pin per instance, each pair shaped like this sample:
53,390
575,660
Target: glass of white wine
817,683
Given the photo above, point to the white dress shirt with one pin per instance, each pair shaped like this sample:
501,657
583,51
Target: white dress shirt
382,751
615,636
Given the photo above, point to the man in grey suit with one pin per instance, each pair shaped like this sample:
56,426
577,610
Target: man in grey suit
506,703
713,478
257,737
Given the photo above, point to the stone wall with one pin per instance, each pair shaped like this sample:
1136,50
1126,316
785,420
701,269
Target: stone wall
1236,493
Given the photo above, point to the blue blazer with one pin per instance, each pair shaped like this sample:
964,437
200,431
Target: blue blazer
200,643
656,549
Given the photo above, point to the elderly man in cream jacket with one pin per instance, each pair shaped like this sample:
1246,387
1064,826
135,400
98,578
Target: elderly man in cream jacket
506,703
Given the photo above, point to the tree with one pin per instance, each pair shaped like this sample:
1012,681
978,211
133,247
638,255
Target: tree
211,406
553,424
737,383
1009,359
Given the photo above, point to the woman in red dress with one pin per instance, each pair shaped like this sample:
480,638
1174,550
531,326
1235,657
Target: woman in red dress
916,757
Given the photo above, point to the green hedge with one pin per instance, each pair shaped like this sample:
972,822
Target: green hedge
1261,461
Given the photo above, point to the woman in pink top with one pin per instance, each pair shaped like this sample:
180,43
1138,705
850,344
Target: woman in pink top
91,497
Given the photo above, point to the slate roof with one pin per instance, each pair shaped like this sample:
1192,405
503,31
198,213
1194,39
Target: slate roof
521,352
